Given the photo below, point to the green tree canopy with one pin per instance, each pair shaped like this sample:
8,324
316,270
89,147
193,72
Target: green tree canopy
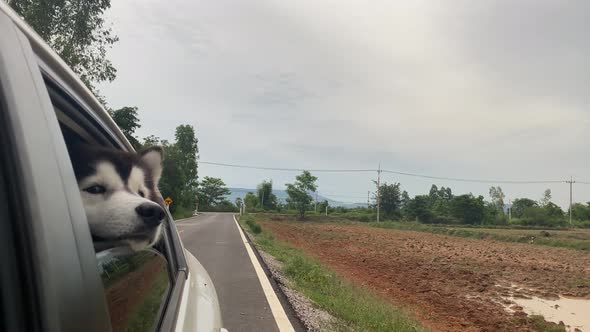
298,192
390,200
211,192
323,205
76,30
546,199
186,154
468,209
266,196
127,120
520,204
581,211
419,208
497,196
251,201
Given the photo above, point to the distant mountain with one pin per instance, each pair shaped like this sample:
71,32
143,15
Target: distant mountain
282,196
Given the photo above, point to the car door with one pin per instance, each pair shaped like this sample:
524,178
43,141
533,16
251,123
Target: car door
60,287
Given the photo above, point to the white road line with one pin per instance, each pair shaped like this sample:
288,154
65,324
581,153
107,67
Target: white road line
275,306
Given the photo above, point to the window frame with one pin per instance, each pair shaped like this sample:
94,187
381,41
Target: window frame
68,105
65,292
62,283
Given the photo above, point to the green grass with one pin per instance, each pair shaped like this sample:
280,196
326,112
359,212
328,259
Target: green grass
144,318
573,239
254,227
540,325
358,308
181,212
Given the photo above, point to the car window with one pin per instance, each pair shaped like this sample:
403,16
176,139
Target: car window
136,287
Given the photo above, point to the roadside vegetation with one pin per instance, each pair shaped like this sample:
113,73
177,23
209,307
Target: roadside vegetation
439,207
357,307
579,240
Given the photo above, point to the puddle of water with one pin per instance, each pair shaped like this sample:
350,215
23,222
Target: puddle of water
572,312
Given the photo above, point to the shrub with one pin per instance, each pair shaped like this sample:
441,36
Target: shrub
444,220
182,212
256,229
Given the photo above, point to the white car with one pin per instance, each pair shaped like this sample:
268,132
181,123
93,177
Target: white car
51,278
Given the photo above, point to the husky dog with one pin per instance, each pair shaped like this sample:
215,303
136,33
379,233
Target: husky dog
120,195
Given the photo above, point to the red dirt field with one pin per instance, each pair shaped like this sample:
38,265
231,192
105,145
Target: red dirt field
448,283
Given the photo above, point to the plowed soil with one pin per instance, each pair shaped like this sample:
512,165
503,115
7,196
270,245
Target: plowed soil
448,283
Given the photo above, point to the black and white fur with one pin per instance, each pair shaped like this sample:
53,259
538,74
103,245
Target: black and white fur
120,194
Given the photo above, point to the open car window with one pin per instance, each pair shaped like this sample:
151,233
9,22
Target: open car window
137,284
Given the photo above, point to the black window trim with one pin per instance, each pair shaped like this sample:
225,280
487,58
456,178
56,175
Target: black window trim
26,309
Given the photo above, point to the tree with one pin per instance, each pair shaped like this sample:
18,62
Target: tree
493,216
440,200
239,202
390,200
212,191
468,209
171,184
151,140
581,211
298,192
553,210
445,194
418,208
186,150
433,193
497,196
405,201
76,31
267,198
127,120
520,204
322,206
250,201
546,198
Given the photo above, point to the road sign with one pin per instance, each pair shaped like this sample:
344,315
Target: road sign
168,200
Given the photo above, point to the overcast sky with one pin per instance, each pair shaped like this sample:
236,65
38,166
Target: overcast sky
471,89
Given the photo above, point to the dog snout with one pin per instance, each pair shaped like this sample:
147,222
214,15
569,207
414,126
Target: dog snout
152,214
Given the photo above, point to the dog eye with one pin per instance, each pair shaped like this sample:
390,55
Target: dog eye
141,193
96,189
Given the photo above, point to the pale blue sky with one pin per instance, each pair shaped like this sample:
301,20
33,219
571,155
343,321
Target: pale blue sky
473,89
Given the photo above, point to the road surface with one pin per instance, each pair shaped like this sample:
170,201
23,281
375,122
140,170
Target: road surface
214,239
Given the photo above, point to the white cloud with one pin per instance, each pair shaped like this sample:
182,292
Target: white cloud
486,89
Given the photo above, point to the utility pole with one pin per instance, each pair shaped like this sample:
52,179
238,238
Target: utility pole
326,210
368,199
378,191
571,182
509,210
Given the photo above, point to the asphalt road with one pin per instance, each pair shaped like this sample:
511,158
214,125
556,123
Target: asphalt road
214,239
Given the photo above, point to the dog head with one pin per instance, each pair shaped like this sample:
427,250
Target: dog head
120,195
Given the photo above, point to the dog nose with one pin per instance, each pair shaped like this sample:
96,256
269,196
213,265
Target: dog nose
151,214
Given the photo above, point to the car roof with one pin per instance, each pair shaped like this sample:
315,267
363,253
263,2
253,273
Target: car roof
65,73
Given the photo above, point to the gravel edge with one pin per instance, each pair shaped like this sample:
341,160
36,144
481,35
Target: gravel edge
313,318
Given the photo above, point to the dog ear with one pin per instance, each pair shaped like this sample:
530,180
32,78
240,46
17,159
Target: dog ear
153,157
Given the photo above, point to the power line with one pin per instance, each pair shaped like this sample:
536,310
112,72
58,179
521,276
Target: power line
470,180
487,181
338,195
289,169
